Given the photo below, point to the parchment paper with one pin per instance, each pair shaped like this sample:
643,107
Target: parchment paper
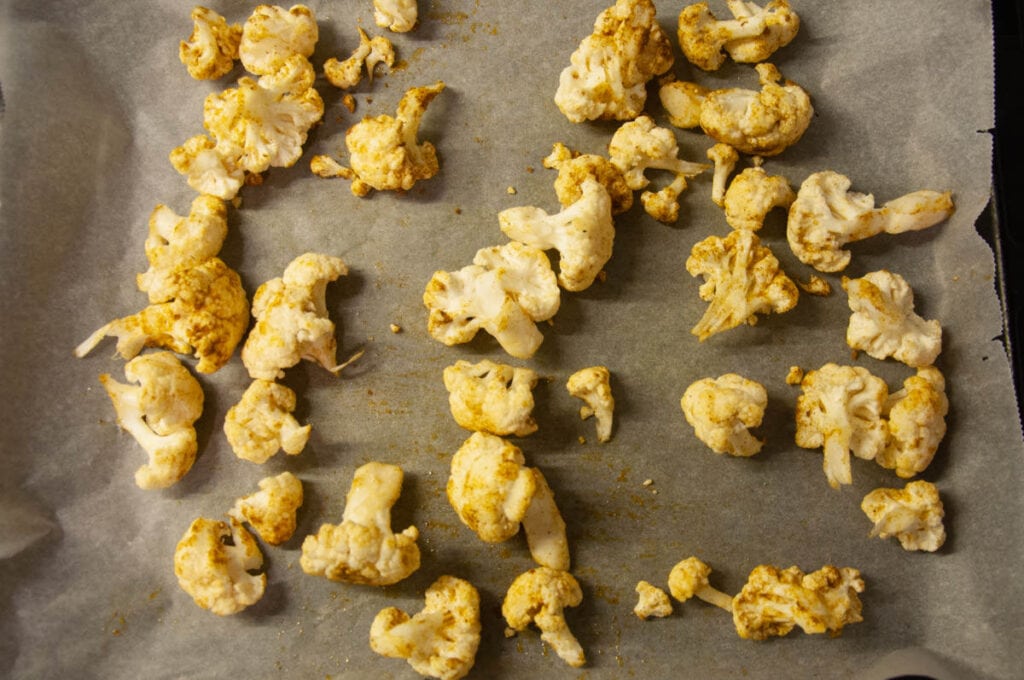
95,99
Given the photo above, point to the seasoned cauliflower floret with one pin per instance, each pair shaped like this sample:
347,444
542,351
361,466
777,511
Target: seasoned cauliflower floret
211,50
212,562
917,423
640,145
751,36
490,397
774,601
884,324
272,34
271,511
689,578
608,73
441,640
347,74
752,194
261,423
177,242
506,291
652,601
721,411
593,386
741,280
574,169
159,412
207,168
539,596
291,319
396,15
582,233
363,548
826,215
912,514
725,158
841,410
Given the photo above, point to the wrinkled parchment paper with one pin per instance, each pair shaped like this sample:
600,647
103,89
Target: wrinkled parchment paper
95,98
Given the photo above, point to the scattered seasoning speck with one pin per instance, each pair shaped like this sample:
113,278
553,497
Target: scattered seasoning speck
511,191
582,439
395,328
648,482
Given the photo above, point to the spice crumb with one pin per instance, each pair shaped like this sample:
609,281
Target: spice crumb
395,328
511,191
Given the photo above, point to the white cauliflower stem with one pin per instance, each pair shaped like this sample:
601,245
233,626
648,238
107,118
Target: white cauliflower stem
725,158
347,74
721,411
826,215
490,397
211,50
608,73
593,386
442,639
262,423
912,514
883,322
916,421
271,511
545,528
751,36
539,596
652,601
159,412
689,578
212,562
363,548
399,16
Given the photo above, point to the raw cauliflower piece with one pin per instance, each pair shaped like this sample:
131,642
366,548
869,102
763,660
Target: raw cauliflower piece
753,34
212,562
442,639
608,73
363,549
689,578
539,596
506,291
272,34
384,152
399,16
202,310
582,233
491,397
884,324
912,514
725,158
159,412
271,511
576,168
841,410
347,74
261,423
207,168
916,419
826,215
721,411
291,319
210,52
741,280
774,601
177,242
652,601
752,194
593,386
639,145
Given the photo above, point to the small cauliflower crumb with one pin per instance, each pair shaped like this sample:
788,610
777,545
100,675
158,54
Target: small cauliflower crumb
652,601
593,386
816,286
795,375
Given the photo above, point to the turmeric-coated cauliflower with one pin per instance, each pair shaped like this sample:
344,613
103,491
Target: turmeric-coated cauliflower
721,411
916,419
752,194
682,101
210,52
741,280
213,561
725,158
752,35
506,291
261,423
209,168
345,74
651,601
273,34
177,242
593,386
159,412
826,215
689,578
544,527
363,548
491,397
271,511
608,74
442,639
575,168
539,596
912,514
399,16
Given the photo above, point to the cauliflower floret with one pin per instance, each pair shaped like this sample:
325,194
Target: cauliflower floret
207,168
506,291
347,74
751,36
689,578
384,152
752,195
652,601
773,601
826,215
582,233
575,168
593,386
272,34
363,548
912,514
262,423
213,561
159,413
741,280
211,50
177,242
721,411
202,309
608,74
271,510
640,145
291,319
884,324
490,397
682,102
441,640
841,410
725,158
396,15
916,421
539,596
